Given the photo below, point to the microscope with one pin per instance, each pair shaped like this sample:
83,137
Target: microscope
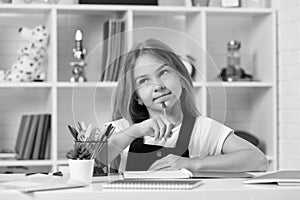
233,71
78,73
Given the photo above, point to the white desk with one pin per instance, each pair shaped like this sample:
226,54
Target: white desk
232,189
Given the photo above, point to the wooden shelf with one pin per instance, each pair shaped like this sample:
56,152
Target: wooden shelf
26,85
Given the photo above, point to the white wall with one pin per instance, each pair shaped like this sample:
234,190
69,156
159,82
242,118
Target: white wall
289,82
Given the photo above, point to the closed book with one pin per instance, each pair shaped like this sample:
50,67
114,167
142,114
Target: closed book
39,135
108,41
24,136
105,49
45,137
31,138
48,145
20,133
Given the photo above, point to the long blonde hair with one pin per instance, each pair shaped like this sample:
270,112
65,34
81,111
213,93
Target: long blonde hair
125,103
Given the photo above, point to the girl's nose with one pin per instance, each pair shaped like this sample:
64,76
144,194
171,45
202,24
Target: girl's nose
159,88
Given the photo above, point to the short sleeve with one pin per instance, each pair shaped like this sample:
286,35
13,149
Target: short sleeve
208,137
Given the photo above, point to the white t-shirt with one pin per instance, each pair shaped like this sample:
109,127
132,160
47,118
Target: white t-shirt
207,138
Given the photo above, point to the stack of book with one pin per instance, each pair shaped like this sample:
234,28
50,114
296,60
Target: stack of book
113,49
33,141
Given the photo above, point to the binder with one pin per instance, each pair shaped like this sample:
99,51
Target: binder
152,184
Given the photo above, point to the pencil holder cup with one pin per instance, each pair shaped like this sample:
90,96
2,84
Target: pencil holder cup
81,170
91,149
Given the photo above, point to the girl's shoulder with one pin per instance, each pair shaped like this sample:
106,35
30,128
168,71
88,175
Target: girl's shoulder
202,119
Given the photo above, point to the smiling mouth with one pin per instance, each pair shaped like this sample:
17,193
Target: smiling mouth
161,96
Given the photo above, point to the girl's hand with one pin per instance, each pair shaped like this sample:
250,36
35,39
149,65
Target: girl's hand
170,162
158,127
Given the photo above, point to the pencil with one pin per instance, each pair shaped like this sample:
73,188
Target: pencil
164,106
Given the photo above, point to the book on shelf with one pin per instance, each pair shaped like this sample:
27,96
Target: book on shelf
112,48
20,132
113,51
38,139
48,146
31,138
23,137
118,65
45,136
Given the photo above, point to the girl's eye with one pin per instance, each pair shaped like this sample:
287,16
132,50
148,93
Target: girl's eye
164,72
142,81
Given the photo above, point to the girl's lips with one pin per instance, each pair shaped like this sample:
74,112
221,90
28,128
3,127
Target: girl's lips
161,97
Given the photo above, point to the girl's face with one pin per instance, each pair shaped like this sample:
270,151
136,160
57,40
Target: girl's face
156,82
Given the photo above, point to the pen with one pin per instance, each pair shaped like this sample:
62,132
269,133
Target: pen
164,106
108,132
88,131
83,126
79,126
75,131
72,132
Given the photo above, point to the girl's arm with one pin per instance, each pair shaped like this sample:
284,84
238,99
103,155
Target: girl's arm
156,127
238,155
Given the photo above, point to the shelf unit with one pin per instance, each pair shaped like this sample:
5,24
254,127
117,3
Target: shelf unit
199,32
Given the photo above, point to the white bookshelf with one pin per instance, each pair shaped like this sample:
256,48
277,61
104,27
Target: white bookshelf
249,106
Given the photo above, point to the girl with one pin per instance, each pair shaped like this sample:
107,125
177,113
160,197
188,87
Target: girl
158,126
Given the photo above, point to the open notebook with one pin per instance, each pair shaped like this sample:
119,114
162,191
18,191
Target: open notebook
182,174
285,177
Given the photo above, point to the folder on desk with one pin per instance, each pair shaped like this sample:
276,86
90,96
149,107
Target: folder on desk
183,174
284,177
40,182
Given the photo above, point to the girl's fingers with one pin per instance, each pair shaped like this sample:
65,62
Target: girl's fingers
155,128
169,133
169,168
159,165
162,128
162,163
